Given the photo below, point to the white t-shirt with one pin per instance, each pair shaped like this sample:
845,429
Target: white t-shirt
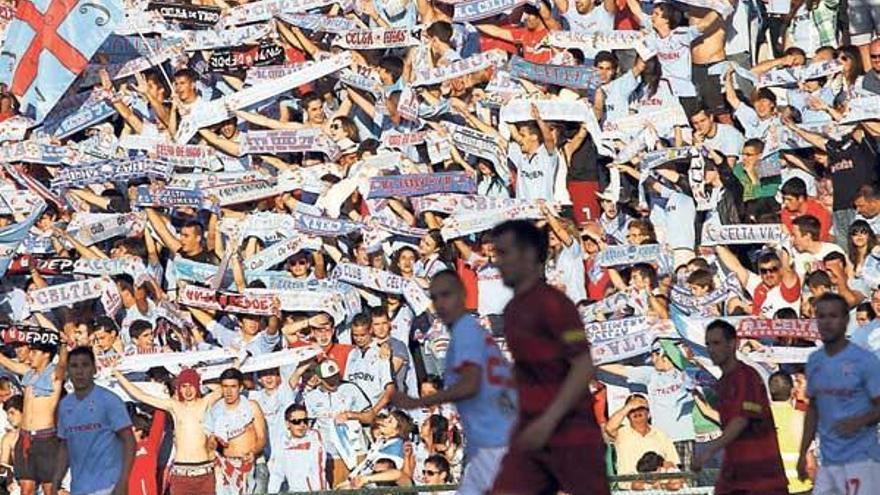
568,270
617,95
773,299
806,263
536,174
492,294
369,371
727,140
674,54
738,30
596,20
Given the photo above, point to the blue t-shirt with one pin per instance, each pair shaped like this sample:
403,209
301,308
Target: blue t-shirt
669,400
488,416
89,427
842,386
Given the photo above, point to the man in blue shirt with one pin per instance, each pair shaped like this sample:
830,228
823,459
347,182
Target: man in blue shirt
478,380
95,431
843,384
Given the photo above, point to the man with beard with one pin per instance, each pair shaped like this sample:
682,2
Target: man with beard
192,470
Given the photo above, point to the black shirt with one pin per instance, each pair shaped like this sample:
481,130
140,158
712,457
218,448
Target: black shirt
852,165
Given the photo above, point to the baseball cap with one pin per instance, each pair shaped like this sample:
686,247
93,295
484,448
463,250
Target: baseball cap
327,369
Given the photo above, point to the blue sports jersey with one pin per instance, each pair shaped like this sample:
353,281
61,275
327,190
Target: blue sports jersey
487,417
842,387
89,427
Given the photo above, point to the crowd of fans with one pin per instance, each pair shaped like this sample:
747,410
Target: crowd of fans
254,287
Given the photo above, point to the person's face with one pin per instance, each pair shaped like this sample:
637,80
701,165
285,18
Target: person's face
81,371
699,290
764,108
530,140
874,51
606,71
185,89
702,122
299,267
103,340
781,387
485,169
381,327
37,358
862,318
250,325
270,382
638,417
832,320
156,91
360,255
830,267
144,340
859,238
609,208
638,281
361,336
769,273
23,354
322,331
188,392
297,424
14,417
190,239
427,246
488,250
798,239
634,236
5,394
427,389
553,241
315,112
227,130
448,299
432,473
846,61
388,427
337,133
791,203
514,261
231,390
531,22
583,6
720,349
660,361
875,301
750,156
405,261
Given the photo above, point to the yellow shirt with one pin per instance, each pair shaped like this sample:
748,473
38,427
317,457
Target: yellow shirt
631,446
789,429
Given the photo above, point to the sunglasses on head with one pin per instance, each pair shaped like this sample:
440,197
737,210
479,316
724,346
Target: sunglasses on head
297,421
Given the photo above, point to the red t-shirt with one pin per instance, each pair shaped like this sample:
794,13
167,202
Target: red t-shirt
752,463
814,208
142,480
624,19
469,280
596,287
530,41
543,332
338,353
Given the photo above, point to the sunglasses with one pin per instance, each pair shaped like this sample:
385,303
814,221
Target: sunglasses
875,56
300,261
764,271
297,421
429,472
335,127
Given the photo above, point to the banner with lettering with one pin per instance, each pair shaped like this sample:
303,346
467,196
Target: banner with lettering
307,301
420,184
243,192
320,22
28,334
189,15
472,222
211,39
23,264
595,40
91,228
629,255
234,60
287,141
714,234
257,75
230,302
464,203
110,170
109,267
459,68
578,77
377,39
280,251
764,328
793,75
15,128
33,152
475,10
382,281
166,197
617,340
862,108
55,296
263,10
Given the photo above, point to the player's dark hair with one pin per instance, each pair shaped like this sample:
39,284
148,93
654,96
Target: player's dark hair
830,297
232,374
525,234
728,330
138,327
794,187
82,351
451,275
605,56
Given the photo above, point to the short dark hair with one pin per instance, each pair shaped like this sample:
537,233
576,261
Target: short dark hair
15,402
525,234
363,319
105,323
765,94
294,408
835,256
441,30
82,350
194,224
450,274
818,278
808,225
138,327
728,330
833,298
794,187
867,192
650,462
187,73
393,65
606,56
754,143
768,257
232,374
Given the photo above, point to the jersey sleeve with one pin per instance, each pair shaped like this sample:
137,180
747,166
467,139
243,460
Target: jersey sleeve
466,347
639,374
564,323
115,412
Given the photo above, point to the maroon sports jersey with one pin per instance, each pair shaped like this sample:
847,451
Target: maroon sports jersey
543,331
752,462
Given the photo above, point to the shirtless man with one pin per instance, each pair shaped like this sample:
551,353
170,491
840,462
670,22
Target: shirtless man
192,471
706,51
237,431
42,382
